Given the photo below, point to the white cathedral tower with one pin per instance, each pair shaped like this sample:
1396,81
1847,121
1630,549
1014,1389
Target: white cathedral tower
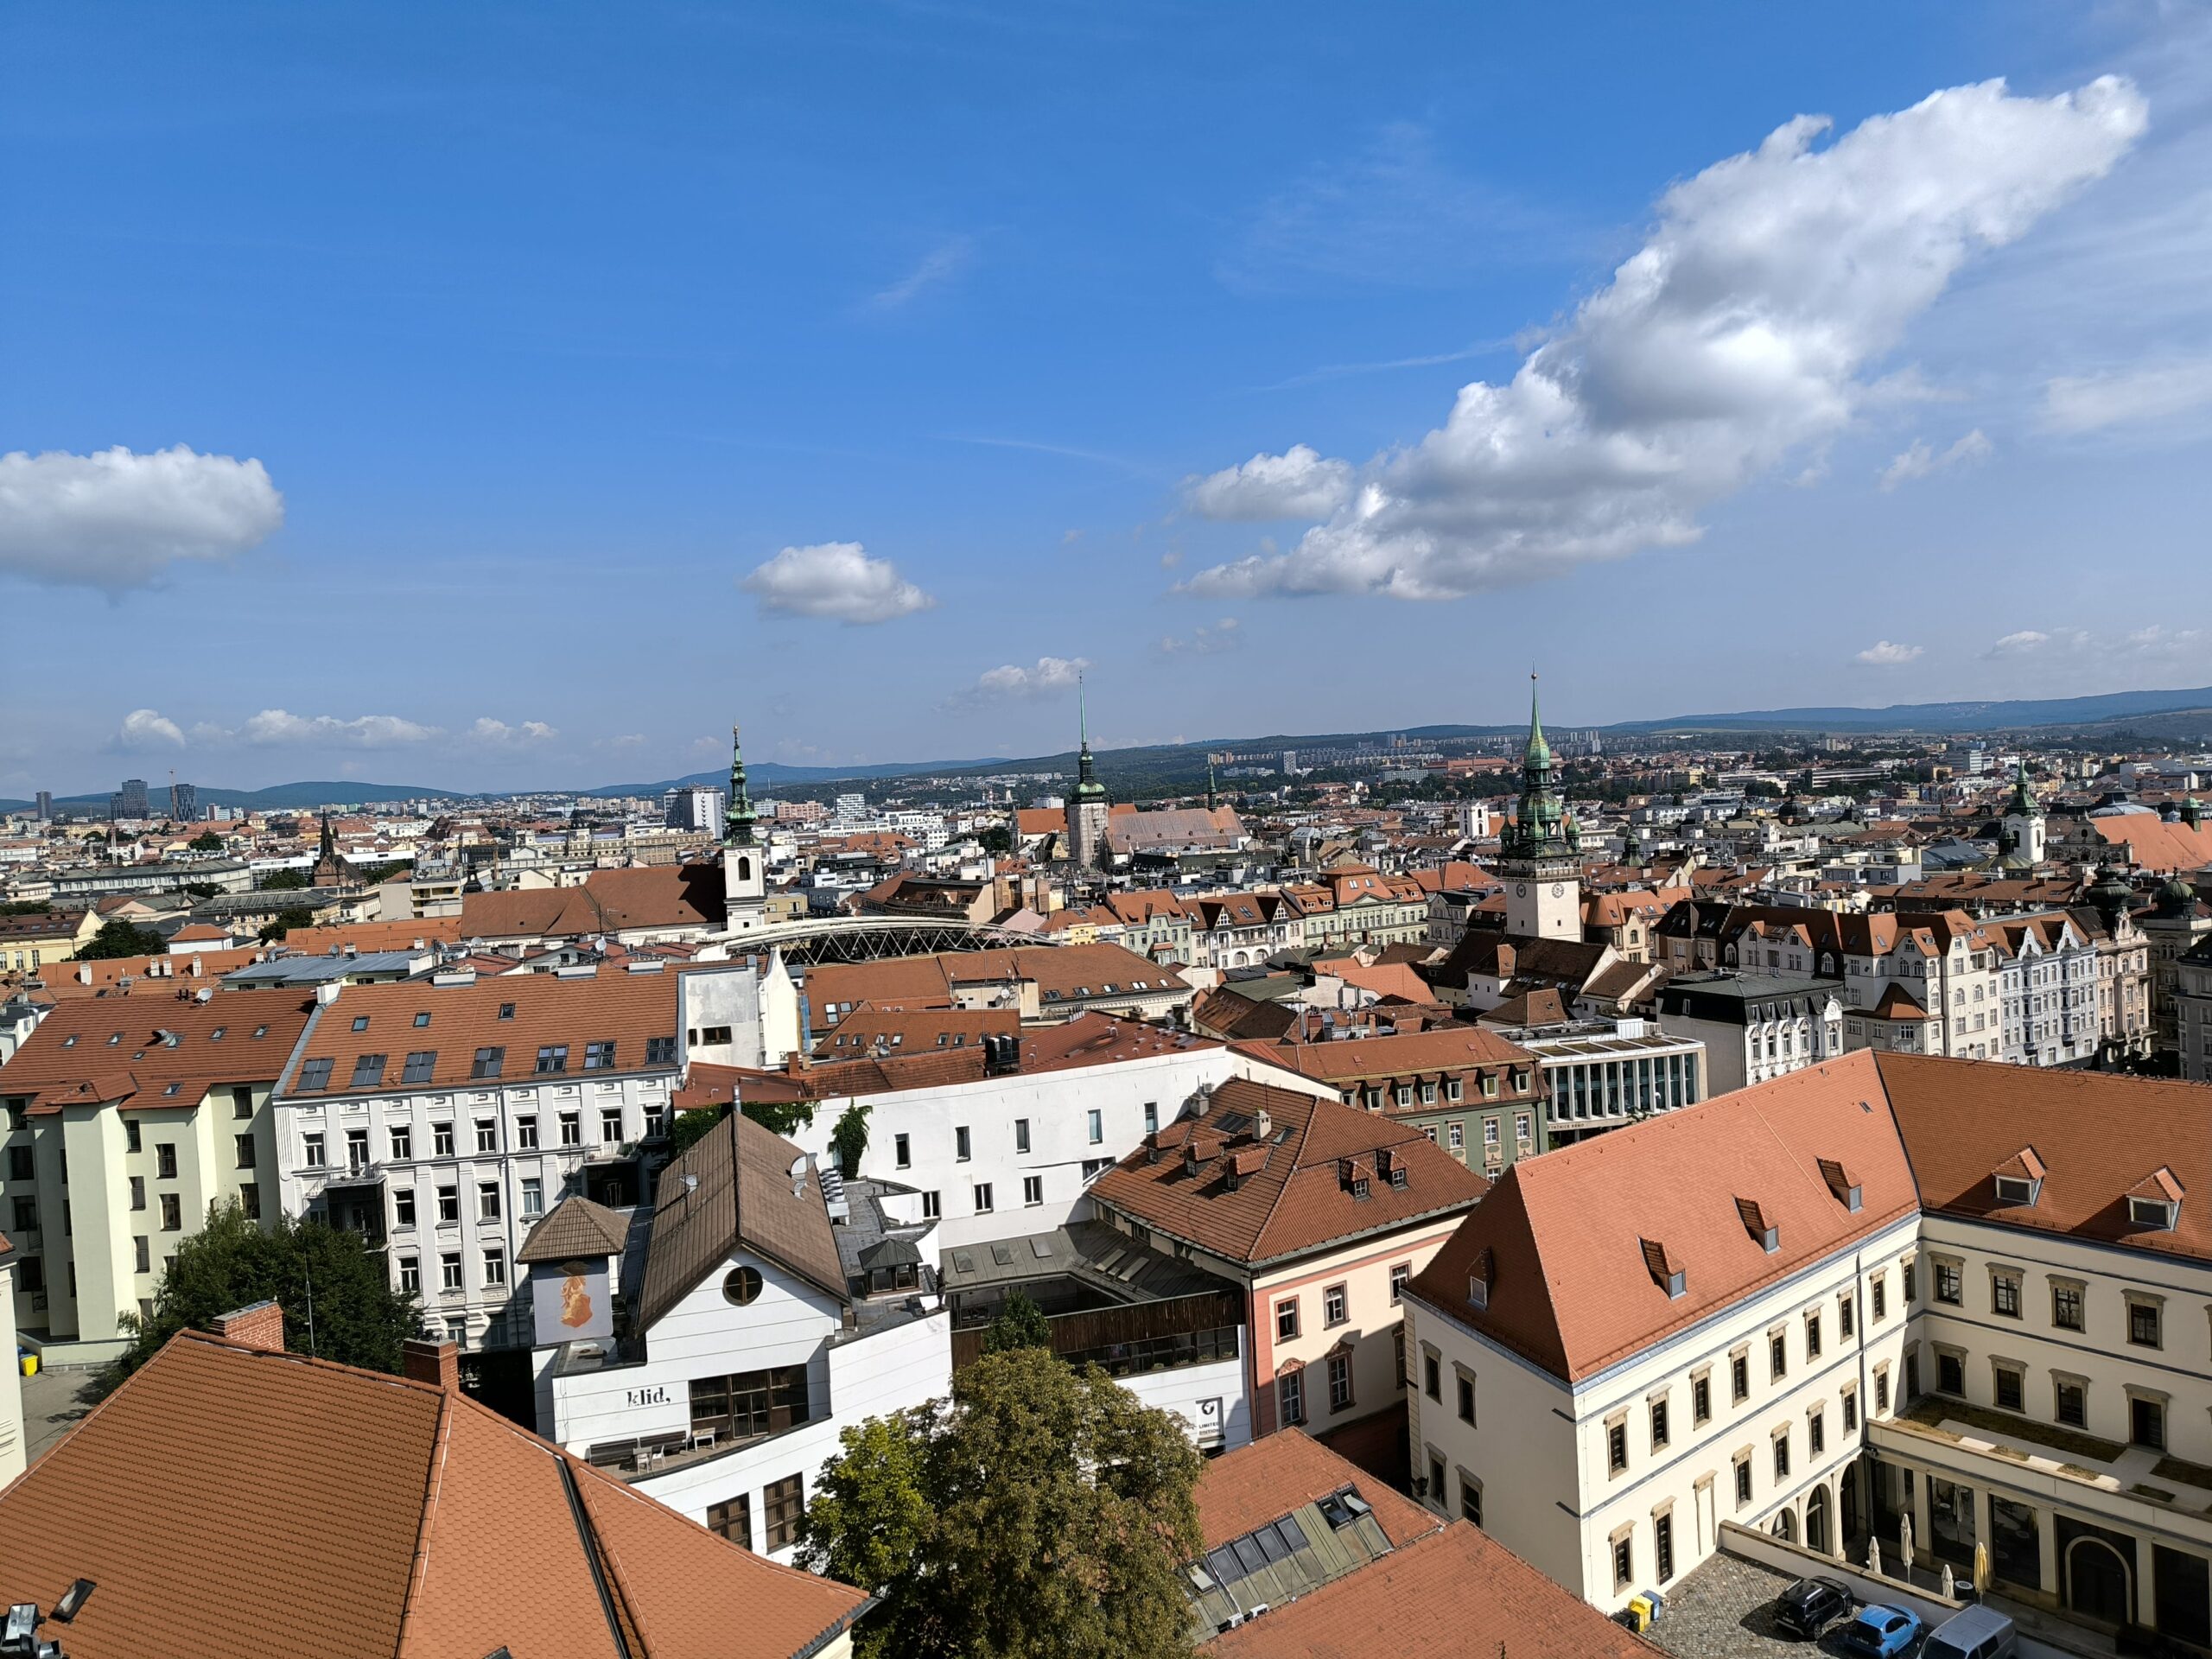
745,866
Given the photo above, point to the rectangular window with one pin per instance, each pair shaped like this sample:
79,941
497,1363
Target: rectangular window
315,1076
1336,1304
982,1198
420,1066
1881,1298
488,1063
553,1058
449,1271
1662,1547
1339,1382
660,1050
487,1134
1290,1397
495,1267
242,1101
1400,1272
782,1503
1616,1447
410,1276
2005,1295
1782,1457
1742,1481
1151,1116
487,1201
731,1520
2072,1402
932,1206
533,1195
1777,1356
1950,1284
132,1133
1739,1378
1906,1280
526,1134
1850,1411
368,1071
1286,1319
2143,1323
1845,1317
2146,1422
1700,1400
1033,1189
249,1200
1816,1432
1950,1372
1432,1377
357,1150
165,1161
1471,1501
610,1125
402,1206
1020,1134
572,1128
2009,1388
2066,1306
242,1146
142,1250
400,1140
960,1148
310,1151
1455,1135
1812,1336
1466,1398
1623,1560
902,1150
1658,1424
1096,1124
599,1056
440,1139
172,1213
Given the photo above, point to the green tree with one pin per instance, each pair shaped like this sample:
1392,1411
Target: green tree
1020,1323
779,1117
338,1303
848,1138
120,938
997,839
201,889
1039,1513
287,920
283,882
206,841
691,1127
22,907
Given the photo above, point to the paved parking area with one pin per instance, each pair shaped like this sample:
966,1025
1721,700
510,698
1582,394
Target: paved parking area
1724,1610
53,1400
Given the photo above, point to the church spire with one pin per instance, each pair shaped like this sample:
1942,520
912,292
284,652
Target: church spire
1539,752
738,819
1086,774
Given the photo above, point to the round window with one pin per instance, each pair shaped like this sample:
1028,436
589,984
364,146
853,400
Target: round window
742,1285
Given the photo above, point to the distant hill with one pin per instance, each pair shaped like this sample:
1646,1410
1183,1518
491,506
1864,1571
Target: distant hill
277,797
1938,718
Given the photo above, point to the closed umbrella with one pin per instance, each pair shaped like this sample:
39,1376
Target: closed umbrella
1905,1547
1874,1556
1950,1589
1981,1569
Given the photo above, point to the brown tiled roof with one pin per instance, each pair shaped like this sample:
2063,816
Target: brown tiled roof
1064,968
623,1008
897,1028
1444,1590
575,1227
1231,1014
1961,1120
120,1049
732,1189
669,895
1572,1289
221,1517
1542,1007
1301,1200
156,976
1454,1048
374,935
2155,844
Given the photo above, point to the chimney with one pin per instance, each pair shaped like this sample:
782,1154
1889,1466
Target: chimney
1263,1125
438,1363
260,1327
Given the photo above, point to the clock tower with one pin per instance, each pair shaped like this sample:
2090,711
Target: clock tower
1088,808
745,872
1541,851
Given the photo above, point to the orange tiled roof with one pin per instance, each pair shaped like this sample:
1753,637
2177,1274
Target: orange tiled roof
119,1049
1455,1048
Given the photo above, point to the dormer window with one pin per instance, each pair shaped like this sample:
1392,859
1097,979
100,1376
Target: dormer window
2016,1189
2155,1201
1666,1272
1478,1278
2155,1213
1764,1233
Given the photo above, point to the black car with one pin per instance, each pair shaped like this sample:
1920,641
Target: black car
1806,1607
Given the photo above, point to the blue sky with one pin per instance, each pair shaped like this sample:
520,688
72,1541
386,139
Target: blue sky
550,329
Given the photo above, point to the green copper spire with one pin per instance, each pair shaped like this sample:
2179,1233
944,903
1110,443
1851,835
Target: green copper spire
737,821
1087,786
1539,752
2023,803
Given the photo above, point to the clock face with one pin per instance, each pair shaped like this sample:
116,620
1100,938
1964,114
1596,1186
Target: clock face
1520,889
1559,890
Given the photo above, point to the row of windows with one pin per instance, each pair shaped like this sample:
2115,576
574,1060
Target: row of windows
449,1279
1290,1389
963,1142
2069,1299
531,1198
1336,1304
399,1140
782,1503
421,1064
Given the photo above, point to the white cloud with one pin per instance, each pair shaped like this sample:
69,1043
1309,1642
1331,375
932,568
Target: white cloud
1297,484
2154,644
278,727
1741,333
836,580
1922,458
118,519
1884,653
945,262
2020,644
2090,403
487,730
1225,635
1011,683
146,728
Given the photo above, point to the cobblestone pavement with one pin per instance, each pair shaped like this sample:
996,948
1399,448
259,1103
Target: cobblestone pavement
1724,1610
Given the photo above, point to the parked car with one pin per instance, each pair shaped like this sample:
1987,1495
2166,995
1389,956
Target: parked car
1810,1606
1977,1633
1881,1632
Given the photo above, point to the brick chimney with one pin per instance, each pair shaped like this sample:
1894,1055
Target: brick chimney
437,1362
260,1326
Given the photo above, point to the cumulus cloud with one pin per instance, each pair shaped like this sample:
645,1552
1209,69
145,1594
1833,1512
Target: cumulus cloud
487,730
1011,683
2090,403
118,519
836,580
1884,653
1922,458
1297,484
1741,333
1224,636
2020,644
2152,645
278,727
147,728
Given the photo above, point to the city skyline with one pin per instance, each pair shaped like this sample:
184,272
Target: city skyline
477,420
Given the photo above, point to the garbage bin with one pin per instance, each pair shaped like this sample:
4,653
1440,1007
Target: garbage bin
30,1365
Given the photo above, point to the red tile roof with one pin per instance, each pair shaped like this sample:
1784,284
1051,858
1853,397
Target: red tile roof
153,1050
1452,1049
1302,1198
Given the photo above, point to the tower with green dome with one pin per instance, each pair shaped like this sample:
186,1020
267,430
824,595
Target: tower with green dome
2021,841
1088,808
745,872
1539,853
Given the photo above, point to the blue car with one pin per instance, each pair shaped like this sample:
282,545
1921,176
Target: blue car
1881,1632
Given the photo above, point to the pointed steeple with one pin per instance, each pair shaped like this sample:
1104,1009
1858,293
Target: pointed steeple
329,847
1213,799
2023,803
1087,786
739,816
1539,752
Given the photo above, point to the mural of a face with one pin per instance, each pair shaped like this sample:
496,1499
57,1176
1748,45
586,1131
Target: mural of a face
575,1297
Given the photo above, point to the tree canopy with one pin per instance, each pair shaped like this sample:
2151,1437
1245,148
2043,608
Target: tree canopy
848,1138
283,881
1039,1513
691,1127
287,920
1020,1323
206,841
338,1303
120,938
